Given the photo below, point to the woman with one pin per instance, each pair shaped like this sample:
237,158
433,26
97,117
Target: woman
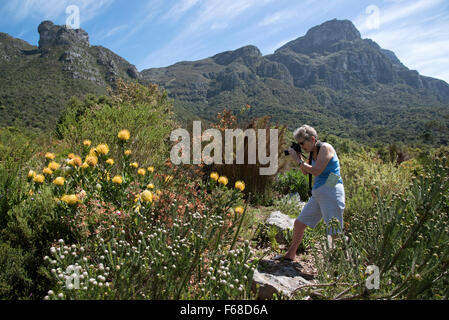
328,195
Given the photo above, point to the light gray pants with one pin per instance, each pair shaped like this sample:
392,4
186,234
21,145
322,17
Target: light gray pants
326,203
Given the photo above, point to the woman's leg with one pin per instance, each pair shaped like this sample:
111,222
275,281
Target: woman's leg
298,234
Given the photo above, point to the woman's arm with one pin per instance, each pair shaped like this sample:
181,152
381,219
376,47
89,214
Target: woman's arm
326,153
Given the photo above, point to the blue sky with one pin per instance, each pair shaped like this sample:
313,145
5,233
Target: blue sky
157,33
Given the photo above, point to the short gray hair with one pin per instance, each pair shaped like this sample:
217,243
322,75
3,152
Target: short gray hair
306,132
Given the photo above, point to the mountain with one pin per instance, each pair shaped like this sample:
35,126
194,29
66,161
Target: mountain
36,82
330,78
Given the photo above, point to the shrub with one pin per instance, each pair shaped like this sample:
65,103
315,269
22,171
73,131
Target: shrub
144,111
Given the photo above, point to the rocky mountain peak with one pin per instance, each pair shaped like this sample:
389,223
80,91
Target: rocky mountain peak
246,54
54,35
333,31
321,37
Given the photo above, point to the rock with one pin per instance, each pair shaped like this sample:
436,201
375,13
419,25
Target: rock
283,222
278,277
53,35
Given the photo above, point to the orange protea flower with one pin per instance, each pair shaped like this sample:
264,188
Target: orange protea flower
103,149
31,174
117,180
239,210
54,166
240,185
77,161
124,135
151,169
127,152
214,176
70,199
87,143
223,180
150,186
39,178
50,156
59,181
71,156
92,161
110,161
141,172
146,196
47,171
134,165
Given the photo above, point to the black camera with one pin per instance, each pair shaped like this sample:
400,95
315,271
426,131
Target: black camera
295,146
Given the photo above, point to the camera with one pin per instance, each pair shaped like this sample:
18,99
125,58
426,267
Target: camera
295,147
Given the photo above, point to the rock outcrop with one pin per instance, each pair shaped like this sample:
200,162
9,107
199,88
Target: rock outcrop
54,35
274,277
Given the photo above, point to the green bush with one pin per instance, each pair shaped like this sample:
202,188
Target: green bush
404,234
293,181
144,111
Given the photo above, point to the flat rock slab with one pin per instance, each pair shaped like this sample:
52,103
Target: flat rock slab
282,222
278,277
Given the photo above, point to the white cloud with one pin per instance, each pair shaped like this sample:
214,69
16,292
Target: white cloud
210,15
280,16
179,9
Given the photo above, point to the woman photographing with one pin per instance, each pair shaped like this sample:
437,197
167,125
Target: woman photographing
328,196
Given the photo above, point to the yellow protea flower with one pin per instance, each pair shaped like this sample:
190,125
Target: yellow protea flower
110,162
47,171
151,169
71,155
124,135
223,180
146,196
50,156
31,174
39,178
54,166
239,210
134,165
117,180
168,178
93,152
141,172
240,185
84,165
87,143
128,152
150,186
103,149
70,199
92,161
59,181
214,176
158,192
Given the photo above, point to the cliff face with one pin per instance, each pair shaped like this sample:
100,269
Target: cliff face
329,77
36,82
